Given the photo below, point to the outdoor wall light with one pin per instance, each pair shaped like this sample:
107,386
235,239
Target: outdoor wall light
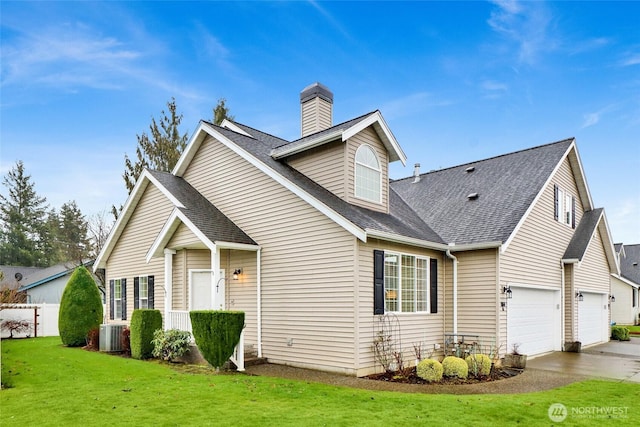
612,298
579,296
507,290
236,273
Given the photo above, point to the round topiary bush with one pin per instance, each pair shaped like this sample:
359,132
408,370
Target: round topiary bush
430,370
455,367
144,322
80,308
479,364
217,333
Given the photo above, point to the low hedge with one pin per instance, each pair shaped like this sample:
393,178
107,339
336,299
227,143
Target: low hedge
479,364
144,322
620,333
217,332
429,370
455,367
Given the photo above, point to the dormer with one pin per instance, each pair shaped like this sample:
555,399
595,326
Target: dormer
350,159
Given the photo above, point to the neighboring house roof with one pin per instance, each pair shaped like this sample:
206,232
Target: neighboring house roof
482,201
40,276
630,263
27,275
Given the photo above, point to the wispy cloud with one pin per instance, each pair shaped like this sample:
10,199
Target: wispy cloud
493,89
411,104
629,59
332,20
590,119
525,24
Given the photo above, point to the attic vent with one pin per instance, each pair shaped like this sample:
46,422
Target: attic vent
635,264
470,169
472,196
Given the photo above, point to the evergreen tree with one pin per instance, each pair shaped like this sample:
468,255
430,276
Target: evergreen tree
23,221
221,112
71,235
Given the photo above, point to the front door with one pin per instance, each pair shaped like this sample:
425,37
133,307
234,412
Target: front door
204,294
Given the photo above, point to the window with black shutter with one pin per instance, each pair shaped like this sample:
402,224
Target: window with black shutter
378,282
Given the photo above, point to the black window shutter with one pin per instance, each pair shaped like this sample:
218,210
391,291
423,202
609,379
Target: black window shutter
136,292
433,285
151,289
573,212
111,286
124,299
378,282
556,203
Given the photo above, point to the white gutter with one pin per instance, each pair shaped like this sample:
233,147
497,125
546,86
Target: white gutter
455,290
284,151
259,302
562,307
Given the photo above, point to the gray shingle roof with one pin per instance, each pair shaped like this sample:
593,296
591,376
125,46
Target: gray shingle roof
401,219
627,269
201,212
582,236
505,185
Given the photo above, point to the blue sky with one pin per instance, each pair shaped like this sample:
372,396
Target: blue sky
455,81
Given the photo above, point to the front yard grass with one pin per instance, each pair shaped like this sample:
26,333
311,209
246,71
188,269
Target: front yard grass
634,329
55,385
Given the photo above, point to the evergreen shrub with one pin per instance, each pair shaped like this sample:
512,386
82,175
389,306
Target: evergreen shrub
453,366
217,332
144,322
80,308
479,364
620,333
429,370
170,345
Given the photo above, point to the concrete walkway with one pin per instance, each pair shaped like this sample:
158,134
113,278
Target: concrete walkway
619,360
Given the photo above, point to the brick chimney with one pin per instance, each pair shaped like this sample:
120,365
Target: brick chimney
316,109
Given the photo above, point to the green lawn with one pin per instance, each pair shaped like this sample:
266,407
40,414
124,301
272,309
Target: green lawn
634,329
55,385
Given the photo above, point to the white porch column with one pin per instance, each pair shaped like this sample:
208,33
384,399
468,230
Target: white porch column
215,266
168,284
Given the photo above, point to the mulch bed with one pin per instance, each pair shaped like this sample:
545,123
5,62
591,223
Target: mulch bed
409,376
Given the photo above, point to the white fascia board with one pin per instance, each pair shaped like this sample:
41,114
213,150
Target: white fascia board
278,153
474,246
324,209
385,134
121,222
232,126
626,281
190,151
608,245
397,238
537,198
158,246
581,179
237,246
570,261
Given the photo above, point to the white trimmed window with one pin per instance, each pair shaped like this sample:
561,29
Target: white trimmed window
144,292
117,299
565,207
406,281
368,175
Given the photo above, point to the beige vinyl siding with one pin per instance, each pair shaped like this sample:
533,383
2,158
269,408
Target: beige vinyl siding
534,255
242,293
128,258
570,312
184,238
325,165
623,311
316,115
307,261
592,274
477,292
414,328
367,136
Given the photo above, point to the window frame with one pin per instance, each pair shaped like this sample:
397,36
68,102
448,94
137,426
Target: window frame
117,302
358,189
398,283
564,207
140,287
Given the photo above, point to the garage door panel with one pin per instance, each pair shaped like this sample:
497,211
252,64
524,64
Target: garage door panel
592,318
533,320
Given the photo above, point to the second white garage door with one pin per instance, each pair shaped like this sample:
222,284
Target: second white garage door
592,318
533,320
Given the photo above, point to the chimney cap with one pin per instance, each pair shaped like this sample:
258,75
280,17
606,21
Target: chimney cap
314,90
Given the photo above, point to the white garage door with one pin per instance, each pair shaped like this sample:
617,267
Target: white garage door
592,319
533,320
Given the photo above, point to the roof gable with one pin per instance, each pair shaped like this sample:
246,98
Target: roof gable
592,222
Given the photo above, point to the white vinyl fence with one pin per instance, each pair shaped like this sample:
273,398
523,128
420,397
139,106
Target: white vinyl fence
45,316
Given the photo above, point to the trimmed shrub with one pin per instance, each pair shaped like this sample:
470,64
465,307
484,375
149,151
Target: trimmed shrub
453,366
171,344
217,333
430,370
144,322
80,308
479,364
620,333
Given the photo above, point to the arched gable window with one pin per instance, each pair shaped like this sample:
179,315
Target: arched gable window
368,175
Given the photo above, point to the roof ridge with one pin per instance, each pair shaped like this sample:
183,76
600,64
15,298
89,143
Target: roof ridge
487,159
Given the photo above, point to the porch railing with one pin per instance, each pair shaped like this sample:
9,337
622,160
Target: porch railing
180,319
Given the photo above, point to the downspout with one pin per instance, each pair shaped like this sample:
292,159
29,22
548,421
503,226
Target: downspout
455,290
562,307
259,301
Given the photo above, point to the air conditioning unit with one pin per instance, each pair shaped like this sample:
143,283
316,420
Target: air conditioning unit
111,337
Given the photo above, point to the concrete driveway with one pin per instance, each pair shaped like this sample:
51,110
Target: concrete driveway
619,360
